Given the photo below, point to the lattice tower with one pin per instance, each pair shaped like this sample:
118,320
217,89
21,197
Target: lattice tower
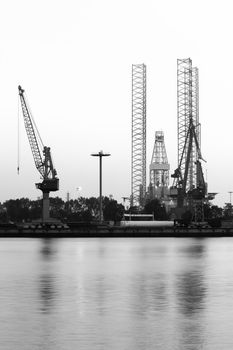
187,109
138,161
195,116
159,167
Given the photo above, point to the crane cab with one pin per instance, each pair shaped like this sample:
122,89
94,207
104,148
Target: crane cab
48,185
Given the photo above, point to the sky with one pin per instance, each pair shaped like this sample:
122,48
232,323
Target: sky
74,58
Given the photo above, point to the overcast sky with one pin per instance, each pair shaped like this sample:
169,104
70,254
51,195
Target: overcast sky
74,57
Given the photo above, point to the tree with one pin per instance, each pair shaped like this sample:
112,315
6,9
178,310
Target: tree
156,208
113,211
57,206
17,209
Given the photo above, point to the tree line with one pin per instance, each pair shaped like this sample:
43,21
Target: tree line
80,209
87,209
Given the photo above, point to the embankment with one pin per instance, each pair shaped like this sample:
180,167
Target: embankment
110,231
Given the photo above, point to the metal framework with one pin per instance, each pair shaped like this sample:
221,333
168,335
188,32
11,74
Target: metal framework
187,114
138,160
32,133
184,107
189,175
50,182
195,117
159,167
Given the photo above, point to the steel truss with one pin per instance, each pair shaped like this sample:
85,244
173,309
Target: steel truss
189,173
187,112
138,160
159,167
195,117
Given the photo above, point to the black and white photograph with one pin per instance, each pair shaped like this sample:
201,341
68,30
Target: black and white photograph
116,191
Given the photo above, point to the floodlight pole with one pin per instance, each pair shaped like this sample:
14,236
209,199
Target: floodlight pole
100,155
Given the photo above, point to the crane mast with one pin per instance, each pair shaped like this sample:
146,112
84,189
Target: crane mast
44,165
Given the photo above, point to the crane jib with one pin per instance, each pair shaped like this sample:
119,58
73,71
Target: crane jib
45,165
31,136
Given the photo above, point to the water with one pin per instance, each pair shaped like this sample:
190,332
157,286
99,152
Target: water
150,293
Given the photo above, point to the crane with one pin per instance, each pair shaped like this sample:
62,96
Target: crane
42,157
195,194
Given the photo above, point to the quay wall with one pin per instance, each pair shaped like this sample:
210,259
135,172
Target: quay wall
114,231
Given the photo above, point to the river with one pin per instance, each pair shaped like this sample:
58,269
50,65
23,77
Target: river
119,293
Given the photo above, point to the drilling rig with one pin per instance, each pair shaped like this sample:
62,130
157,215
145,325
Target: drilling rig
159,169
44,164
189,187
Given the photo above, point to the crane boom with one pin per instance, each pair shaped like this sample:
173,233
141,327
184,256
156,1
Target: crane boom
31,133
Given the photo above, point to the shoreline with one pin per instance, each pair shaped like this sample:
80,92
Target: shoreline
63,231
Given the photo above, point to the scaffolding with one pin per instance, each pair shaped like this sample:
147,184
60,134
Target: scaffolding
138,158
159,168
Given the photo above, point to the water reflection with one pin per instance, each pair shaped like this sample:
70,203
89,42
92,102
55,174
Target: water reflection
47,288
145,251
148,294
191,292
158,291
190,281
47,293
48,248
100,297
121,294
194,249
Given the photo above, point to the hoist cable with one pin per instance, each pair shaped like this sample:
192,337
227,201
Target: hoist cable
18,138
